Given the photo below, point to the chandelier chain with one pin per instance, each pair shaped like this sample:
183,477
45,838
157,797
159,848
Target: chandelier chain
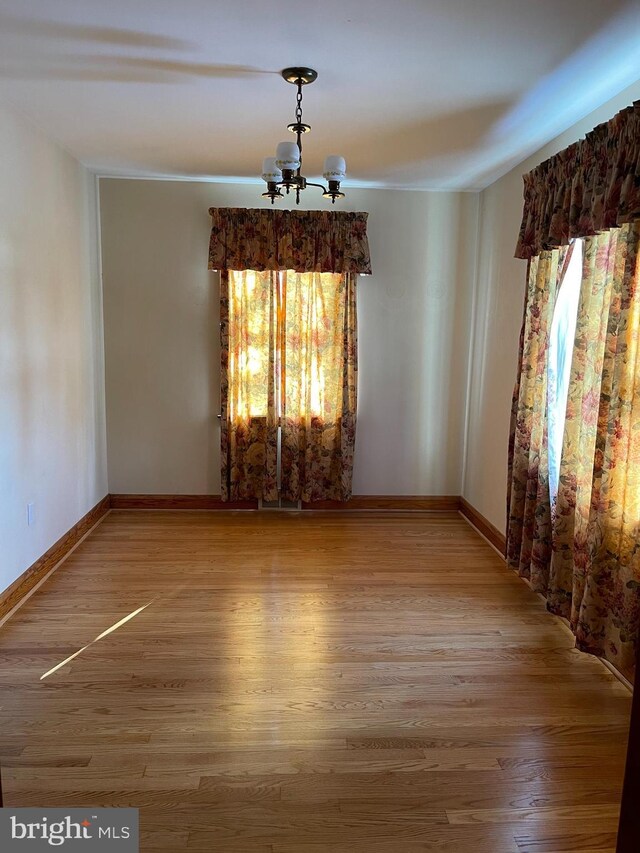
299,104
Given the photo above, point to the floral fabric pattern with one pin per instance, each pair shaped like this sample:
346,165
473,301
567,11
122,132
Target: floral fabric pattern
528,497
249,419
595,576
591,186
583,554
298,240
320,386
289,360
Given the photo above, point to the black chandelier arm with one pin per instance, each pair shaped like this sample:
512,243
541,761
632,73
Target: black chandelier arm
299,182
292,184
320,186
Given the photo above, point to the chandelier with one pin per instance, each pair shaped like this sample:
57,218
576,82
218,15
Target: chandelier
284,171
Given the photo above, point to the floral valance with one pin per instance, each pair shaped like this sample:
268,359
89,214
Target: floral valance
591,186
300,240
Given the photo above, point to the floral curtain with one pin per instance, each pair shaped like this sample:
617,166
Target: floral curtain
583,554
319,386
595,568
589,187
289,359
299,240
248,406
528,499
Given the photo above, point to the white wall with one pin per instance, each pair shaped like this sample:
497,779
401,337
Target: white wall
498,317
162,349
52,435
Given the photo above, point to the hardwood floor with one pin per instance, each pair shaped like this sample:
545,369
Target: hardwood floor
297,683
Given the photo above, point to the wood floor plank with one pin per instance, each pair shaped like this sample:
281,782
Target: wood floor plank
300,683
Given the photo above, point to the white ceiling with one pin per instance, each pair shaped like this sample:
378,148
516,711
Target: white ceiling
414,93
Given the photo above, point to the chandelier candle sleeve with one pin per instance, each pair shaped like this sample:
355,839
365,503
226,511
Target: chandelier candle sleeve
287,156
270,172
285,169
335,168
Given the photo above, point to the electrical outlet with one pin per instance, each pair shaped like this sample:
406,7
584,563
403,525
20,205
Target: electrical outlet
31,514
